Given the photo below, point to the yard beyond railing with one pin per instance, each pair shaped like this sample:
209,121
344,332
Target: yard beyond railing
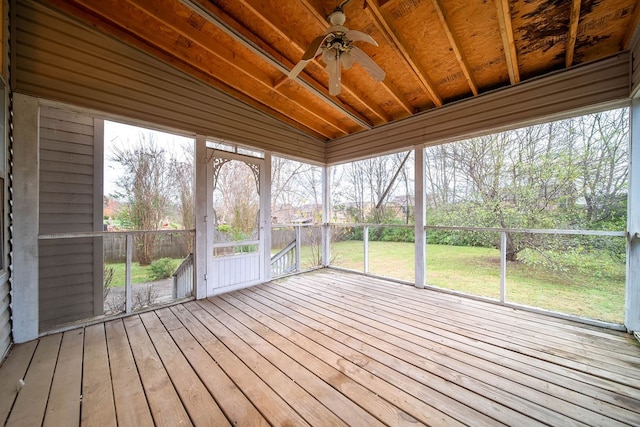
578,274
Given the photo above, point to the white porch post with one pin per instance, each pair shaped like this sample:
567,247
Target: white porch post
265,208
200,193
24,277
420,218
326,216
632,297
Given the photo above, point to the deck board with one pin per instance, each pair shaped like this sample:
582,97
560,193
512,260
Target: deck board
131,405
202,408
322,348
236,406
162,398
97,394
30,404
12,371
63,408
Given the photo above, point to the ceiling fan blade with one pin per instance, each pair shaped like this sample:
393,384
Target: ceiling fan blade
372,68
312,51
296,70
333,67
314,48
359,36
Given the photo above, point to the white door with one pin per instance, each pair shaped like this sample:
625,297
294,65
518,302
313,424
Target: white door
235,222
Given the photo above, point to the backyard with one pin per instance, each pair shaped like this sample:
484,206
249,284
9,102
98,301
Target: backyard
476,270
472,270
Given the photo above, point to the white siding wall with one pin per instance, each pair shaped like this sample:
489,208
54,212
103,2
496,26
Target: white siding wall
70,283
5,315
582,89
61,59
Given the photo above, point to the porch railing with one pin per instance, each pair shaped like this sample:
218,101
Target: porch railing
284,262
129,246
183,278
287,260
501,246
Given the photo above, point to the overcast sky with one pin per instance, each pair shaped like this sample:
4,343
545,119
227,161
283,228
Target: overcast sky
119,134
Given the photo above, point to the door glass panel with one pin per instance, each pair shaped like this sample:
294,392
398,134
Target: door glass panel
236,204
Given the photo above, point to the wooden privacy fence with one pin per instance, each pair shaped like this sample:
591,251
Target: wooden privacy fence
166,245
281,236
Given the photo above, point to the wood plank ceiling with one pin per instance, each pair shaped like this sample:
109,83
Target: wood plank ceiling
434,52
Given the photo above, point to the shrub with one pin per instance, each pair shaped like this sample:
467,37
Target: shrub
162,268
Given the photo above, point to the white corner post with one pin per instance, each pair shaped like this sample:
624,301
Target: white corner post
632,293
265,213
200,193
326,216
26,166
420,218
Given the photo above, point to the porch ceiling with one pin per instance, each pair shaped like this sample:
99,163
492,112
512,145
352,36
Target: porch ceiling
434,52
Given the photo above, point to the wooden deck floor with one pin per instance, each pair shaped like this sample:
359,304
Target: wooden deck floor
326,348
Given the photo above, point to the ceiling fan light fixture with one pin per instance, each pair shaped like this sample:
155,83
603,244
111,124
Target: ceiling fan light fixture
347,60
337,51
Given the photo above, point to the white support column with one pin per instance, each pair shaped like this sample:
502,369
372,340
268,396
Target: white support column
265,209
24,298
326,216
200,193
420,218
632,297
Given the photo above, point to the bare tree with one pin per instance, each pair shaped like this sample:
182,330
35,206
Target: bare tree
182,176
146,186
236,199
367,184
564,174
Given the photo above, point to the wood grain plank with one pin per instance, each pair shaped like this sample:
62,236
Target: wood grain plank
511,389
12,370
235,338
497,325
31,402
202,408
65,396
529,367
98,407
538,339
384,361
275,409
298,366
164,402
235,405
130,401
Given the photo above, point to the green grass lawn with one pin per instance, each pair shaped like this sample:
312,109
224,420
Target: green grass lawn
477,271
139,274
471,270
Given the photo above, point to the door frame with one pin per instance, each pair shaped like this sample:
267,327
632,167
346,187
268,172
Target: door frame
264,221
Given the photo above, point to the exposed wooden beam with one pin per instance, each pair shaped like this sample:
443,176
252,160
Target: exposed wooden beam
107,27
197,47
574,20
394,40
508,42
400,99
633,26
455,45
259,15
217,17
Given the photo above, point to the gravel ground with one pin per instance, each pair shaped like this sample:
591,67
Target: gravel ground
144,295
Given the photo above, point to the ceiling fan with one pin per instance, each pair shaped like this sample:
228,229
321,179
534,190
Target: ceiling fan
337,50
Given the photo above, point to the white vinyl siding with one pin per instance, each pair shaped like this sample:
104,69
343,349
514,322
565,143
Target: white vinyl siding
69,269
60,59
5,314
